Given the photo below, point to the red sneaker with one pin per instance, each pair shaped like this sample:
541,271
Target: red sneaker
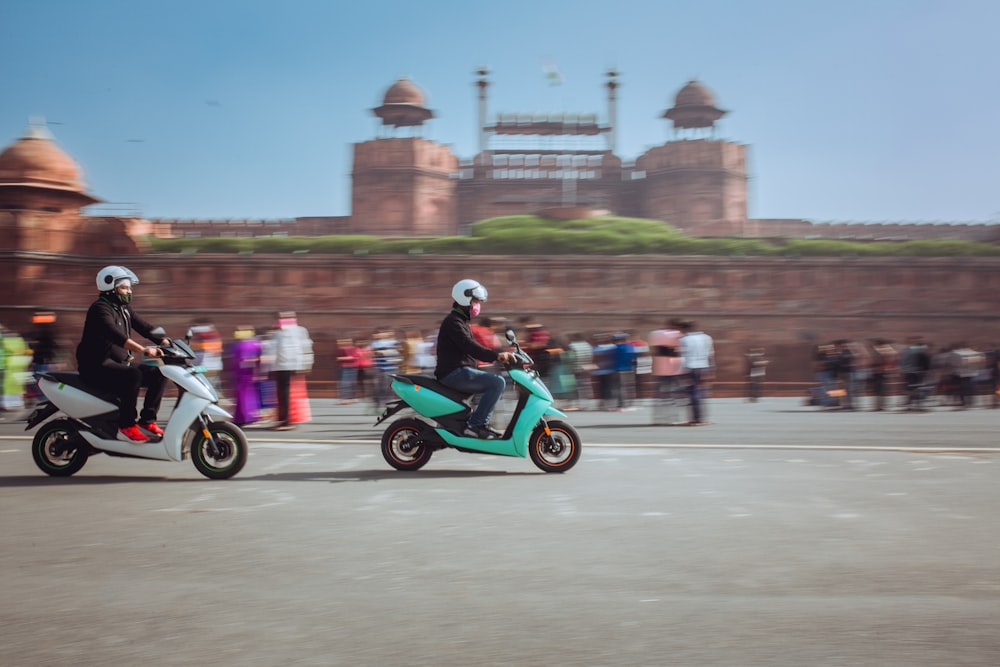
132,434
151,429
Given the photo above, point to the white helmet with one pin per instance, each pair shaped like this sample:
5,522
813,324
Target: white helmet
109,277
466,290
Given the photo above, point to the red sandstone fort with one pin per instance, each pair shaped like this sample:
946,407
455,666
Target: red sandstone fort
564,165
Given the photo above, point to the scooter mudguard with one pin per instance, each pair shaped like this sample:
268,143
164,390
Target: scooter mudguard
216,410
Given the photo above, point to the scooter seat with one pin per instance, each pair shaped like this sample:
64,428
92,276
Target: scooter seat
435,386
73,379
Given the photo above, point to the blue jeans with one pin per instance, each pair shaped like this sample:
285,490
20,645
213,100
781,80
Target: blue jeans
695,393
473,381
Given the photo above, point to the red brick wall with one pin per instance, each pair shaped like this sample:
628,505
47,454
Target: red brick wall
784,305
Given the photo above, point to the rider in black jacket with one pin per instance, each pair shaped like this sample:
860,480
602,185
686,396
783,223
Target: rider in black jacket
457,352
106,354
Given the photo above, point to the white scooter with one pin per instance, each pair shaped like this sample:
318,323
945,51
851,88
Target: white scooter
198,425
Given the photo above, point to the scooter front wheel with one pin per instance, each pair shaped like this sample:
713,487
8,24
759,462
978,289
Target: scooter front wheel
54,450
556,449
402,447
232,451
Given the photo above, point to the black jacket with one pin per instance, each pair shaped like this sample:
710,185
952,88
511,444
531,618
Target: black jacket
456,347
105,331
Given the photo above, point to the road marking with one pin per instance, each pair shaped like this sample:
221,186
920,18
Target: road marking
305,442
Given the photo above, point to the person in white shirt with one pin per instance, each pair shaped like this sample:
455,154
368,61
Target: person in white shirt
698,356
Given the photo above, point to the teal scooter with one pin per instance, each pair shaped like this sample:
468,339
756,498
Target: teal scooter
534,428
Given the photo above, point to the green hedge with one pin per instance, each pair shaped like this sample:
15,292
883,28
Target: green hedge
609,235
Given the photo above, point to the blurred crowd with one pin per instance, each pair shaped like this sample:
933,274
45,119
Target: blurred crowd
605,371
594,371
854,375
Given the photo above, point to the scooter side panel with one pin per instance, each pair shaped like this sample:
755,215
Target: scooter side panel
147,450
425,401
73,401
500,447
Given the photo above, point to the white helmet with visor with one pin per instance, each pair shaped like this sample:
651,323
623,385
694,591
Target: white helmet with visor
110,277
466,290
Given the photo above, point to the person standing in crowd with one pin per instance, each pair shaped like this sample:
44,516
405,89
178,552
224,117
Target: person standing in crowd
756,371
624,382
884,363
914,364
458,354
366,372
44,342
387,357
583,366
427,355
860,372
412,344
668,371
244,376
604,369
106,353
826,389
207,345
347,361
293,355
991,357
563,381
698,355
966,363
45,350
536,344
16,361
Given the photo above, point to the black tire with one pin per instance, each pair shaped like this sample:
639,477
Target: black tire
401,446
44,444
233,456
555,451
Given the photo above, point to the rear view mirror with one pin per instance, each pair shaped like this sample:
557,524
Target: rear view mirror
510,336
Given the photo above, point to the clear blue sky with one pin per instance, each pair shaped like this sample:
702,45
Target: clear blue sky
859,110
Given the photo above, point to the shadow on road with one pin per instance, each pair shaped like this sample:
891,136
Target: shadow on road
312,476
379,475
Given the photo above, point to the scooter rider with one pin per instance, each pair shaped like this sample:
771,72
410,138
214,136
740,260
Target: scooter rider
457,352
105,355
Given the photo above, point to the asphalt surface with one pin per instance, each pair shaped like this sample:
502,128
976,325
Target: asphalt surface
776,535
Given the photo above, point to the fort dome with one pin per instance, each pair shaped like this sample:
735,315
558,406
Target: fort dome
403,105
404,91
35,160
694,94
694,107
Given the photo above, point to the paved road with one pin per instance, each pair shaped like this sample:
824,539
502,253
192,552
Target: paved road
776,536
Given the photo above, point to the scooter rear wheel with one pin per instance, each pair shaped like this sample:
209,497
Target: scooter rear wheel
401,446
555,451
53,452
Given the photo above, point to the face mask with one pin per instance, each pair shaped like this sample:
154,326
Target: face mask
475,308
124,298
